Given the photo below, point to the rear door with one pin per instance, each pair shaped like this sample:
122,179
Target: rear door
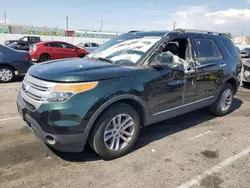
210,68
69,50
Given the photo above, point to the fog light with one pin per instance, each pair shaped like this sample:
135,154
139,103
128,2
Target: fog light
50,140
246,73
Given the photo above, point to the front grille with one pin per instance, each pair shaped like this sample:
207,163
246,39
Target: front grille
36,89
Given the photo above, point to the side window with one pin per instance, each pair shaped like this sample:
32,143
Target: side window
86,45
206,48
232,50
65,45
54,45
94,45
25,39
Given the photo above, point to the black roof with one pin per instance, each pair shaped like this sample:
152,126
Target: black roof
177,31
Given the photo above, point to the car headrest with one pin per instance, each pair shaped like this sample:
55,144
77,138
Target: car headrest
172,47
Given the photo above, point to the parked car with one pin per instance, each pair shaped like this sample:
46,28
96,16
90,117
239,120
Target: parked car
245,52
246,73
52,50
20,45
13,63
89,46
28,39
134,80
238,50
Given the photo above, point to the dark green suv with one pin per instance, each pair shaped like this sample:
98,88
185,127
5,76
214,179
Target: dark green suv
134,80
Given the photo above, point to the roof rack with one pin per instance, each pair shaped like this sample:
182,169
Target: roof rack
133,31
198,31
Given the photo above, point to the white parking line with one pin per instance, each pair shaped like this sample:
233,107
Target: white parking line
10,118
200,135
215,169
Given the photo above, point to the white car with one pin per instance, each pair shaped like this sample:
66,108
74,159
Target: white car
89,46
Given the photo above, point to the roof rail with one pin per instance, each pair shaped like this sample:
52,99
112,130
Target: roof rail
198,31
133,31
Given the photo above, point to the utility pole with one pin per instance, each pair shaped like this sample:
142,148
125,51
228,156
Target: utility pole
67,25
174,26
5,17
101,25
242,34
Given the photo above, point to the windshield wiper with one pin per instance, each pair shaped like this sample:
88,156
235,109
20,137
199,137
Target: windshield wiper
103,59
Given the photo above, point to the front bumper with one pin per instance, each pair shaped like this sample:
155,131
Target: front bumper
63,139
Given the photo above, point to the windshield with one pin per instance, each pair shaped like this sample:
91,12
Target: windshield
246,49
126,49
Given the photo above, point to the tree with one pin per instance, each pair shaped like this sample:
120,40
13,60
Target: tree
229,35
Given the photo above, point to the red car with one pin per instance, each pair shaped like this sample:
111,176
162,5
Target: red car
50,50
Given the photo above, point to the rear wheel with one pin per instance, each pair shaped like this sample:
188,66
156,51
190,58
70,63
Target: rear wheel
116,132
44,57
223,104
247,84
6,74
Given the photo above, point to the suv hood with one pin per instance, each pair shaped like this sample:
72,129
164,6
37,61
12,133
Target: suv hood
7,42
78,70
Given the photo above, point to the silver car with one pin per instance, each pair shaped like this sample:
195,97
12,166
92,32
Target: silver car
89,46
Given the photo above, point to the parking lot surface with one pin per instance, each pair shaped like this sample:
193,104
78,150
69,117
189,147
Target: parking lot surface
193,150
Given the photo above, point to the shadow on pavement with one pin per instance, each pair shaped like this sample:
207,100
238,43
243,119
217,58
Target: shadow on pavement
153,132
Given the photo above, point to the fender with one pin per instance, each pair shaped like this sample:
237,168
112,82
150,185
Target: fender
110,102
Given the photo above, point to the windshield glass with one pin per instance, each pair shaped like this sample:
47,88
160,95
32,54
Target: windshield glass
126,49
246,49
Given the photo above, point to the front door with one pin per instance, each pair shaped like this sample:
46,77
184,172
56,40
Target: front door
209,71
69,50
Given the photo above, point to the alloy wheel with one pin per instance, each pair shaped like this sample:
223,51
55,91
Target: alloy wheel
226,99
5,74
119,132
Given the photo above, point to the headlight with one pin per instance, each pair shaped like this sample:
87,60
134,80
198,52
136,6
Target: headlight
62,92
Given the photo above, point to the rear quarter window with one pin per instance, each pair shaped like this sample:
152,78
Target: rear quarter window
230,47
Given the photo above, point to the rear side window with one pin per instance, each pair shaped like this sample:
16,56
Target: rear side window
34,39
206,48
231,48
94,45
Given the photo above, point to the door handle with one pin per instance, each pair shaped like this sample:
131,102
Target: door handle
223,65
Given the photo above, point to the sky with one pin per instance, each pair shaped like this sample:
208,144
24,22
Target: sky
124,15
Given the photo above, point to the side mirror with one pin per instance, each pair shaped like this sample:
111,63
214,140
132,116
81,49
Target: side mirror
162,60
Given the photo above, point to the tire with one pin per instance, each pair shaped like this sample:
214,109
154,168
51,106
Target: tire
247,84
217,108
6,74
82,55
44,57
105,149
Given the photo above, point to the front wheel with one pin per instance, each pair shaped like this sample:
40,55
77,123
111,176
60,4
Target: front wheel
82,55
116,132
6,74
223,104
